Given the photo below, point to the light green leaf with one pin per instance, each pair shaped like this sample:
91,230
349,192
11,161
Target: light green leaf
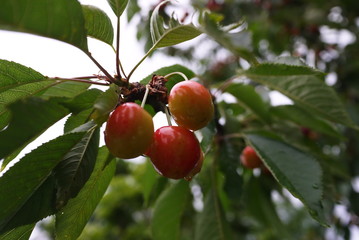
147,181
211,222
76,167
295,170
98,24
79,210
68,89
27,189
61,19
118,6
173,34
305,86
39,115
168,211
105,104
19,233
248,97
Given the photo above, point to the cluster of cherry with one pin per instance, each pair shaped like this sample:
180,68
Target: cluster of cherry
174,151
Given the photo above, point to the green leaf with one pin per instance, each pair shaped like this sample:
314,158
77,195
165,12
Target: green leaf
248,97
105,104
98,24
68,89
39,115
61,19
174,78
211,222
83,101
14,75
295,170
173,34
118,6
76,120
304,86
79,210
19,233
305,119
27,188
168,211
75,169
239,43
147,181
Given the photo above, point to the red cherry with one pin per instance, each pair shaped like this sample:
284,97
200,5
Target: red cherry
250,159
129,131
190,104
174,152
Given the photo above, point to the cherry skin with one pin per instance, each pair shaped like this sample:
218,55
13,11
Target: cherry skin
174,151
250,159
129,131
190,104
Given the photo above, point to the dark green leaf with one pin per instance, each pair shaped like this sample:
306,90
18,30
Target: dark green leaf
118,6
27,189
173,34
75,169
305,119
168,211
295,170
19,233
211,222
248,97
60,19
79,210
304,86
39,115
105,104
98,24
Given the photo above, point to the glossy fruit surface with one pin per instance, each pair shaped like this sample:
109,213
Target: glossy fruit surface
174,152
190,104
129,131
250,159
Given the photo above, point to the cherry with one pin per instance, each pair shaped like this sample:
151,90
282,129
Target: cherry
129,131
190,104
250,159
174,151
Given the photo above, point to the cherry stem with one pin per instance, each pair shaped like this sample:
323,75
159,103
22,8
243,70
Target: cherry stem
145,96
110,78
118,48
168,117
79,80
177,73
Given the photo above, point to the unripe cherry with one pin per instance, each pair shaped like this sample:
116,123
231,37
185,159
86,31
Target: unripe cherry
129,131
174,152
190,104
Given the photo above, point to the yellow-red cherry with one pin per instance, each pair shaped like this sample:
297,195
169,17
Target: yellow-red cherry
129,131
174,152
250,159
190,104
